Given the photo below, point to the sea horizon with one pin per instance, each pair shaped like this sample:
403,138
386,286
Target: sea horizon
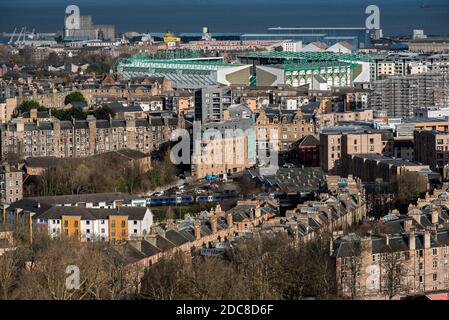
245,16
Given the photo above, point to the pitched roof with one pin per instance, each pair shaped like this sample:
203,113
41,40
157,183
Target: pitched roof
309,141
83,198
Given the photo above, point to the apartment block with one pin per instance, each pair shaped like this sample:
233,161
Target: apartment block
211,102
432,148
338,142
402,96
7,107
81,138
225,147
11,184
370,167
81,223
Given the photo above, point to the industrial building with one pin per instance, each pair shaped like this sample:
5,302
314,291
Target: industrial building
89,31
357,37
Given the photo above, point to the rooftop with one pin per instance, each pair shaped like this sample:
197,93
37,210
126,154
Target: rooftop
308,56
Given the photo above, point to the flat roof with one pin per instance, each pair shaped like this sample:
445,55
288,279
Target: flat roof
318,28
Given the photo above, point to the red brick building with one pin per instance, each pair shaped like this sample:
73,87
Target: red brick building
307,151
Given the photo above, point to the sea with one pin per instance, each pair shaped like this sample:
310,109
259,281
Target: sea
397,17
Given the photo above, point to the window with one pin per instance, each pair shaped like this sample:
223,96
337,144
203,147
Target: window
87,222
135,222
434,252
102,221
123,224
434,277
435,264
66,224
102,230
113,223
135,231
420,279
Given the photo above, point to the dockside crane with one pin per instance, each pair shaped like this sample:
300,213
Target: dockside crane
12,37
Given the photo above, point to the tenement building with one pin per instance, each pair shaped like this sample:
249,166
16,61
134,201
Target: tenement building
11,184
80,138
408,254
281,128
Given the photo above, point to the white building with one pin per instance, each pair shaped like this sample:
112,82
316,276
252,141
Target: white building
85,223
292,46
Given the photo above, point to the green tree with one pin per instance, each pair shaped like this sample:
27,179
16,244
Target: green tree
74,97
103,112
27,105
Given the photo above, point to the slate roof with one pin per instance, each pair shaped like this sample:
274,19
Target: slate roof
133,213
40,162
83,198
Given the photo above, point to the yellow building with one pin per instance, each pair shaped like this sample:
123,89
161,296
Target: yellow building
170,38
118,228
71,226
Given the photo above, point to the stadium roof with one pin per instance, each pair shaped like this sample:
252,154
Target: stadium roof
317,65
149,61
308,56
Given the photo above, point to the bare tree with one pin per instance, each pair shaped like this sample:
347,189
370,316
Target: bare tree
166,279
355,262
393,273
8,272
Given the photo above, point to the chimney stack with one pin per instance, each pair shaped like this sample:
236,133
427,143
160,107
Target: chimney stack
229,220
197,225
426,239
257,211
435,217
213,223
387,239
412,240
408,224
218,210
